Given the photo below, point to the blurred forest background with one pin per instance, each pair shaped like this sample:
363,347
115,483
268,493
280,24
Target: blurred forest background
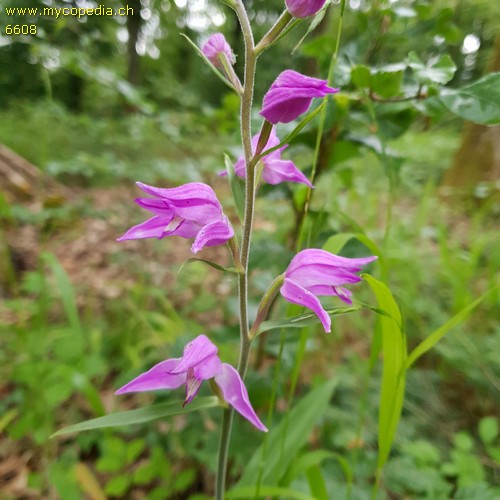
409,168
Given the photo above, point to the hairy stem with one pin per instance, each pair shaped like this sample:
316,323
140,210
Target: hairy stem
246,136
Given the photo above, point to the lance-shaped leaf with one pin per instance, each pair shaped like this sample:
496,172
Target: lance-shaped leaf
231,270
140,415
303,319
393,372
430,341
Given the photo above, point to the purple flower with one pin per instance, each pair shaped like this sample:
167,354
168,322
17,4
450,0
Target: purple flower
215,47
189,211
291,95
315,272
275,169
304,8
199,362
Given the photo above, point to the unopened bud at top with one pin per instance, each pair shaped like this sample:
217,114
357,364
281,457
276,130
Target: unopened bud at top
304,8
215,47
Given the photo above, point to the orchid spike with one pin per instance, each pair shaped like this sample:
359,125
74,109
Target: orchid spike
199,362
189,211
314,272
291,95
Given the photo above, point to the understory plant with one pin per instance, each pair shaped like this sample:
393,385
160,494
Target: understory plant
193,211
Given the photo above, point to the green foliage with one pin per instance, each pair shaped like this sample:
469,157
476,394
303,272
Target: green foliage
287,438
477,102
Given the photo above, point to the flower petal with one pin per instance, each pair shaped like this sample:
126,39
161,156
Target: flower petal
290,95
343,294
182,228
304,8
276,171
194,201
318,256
235,393
194,353
240,167
158,377
312,274
215,45
283,108
155,206
152,228
215,233
295,294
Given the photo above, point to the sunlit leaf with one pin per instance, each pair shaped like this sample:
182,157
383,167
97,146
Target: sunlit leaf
478,102
440,70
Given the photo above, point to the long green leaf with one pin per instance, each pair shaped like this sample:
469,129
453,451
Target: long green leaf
438,334
287,438
303,319
393,373
317,483
208,263
140,415
247,492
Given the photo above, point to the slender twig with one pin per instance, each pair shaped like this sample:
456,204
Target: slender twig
417,96
246,136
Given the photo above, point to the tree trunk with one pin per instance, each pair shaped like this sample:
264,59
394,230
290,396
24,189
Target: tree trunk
133,28
478,157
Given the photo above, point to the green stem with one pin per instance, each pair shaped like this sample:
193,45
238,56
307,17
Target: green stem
271,36
321,127
246,136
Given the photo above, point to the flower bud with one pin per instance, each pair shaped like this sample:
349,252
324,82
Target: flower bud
215,48
304,8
